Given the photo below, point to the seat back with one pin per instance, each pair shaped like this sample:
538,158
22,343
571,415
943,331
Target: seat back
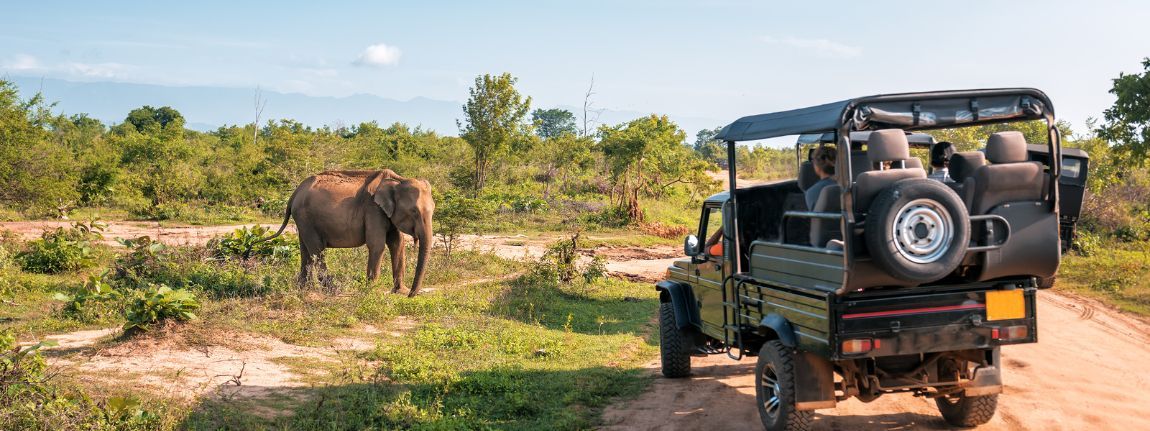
1009,177
824,230
914,163
961,169
807,175
860,163
889,145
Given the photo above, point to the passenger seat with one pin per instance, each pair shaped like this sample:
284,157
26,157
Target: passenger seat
962,166
1009,178
889,145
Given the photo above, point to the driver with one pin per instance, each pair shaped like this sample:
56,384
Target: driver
823,161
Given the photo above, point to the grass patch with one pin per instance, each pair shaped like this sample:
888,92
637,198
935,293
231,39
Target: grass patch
513,354
1118,274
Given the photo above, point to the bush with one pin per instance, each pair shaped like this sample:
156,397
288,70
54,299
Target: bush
84,304
560,263
158,304
248,242
610,217
63,249
456,215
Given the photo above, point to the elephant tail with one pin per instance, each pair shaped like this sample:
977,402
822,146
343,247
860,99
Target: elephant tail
287,216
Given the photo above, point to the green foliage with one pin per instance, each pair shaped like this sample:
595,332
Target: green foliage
647,155
95,290
249,243
560,263
494,116
63,249
148,118
158,304
1127,123
553,123
456,215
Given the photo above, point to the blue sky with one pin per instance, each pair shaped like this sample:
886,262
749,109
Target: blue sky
714,59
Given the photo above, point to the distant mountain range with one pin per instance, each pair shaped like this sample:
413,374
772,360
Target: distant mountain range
207,108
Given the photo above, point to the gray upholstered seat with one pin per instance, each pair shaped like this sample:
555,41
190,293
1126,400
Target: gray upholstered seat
962,166
888,145
807,175
1009,177
914,162
823,230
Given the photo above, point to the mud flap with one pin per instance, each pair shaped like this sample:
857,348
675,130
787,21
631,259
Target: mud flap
987,379
814,382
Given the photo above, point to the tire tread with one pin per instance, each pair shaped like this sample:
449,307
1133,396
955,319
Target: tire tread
674,348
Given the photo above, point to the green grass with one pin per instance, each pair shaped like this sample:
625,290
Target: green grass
486,346
508,355
1118,274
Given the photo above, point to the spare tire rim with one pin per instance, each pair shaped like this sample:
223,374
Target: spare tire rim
923,231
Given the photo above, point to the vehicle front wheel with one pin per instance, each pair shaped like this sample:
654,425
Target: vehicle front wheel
963,411
674,344
775,390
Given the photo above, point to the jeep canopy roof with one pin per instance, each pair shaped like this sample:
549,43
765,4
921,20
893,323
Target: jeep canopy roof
907,111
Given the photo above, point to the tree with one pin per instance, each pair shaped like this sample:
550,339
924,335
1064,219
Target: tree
1127,122
36,171
710,149
643,154
550,123
147,118
494,120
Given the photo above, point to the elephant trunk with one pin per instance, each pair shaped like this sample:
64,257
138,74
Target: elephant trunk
424,240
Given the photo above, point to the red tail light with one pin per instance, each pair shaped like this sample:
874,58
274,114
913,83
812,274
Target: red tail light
1010,333
857,346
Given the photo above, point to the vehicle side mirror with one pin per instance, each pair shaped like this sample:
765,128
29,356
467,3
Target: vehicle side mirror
691,246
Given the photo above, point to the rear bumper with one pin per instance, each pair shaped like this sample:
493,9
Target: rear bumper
947,338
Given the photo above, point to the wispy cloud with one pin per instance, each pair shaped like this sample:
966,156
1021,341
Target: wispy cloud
823,47
22,62
380,54
30,64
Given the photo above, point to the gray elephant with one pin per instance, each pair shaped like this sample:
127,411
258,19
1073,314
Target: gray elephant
345,209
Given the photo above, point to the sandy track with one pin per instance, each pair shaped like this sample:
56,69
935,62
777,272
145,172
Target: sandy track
171,235
1086,372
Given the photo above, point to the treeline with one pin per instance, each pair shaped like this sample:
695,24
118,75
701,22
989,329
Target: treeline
151,166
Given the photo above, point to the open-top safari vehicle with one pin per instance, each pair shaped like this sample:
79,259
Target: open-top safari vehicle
892,281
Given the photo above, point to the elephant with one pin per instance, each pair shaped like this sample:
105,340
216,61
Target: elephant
346,209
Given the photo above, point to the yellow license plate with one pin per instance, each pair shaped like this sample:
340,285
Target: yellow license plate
1005,304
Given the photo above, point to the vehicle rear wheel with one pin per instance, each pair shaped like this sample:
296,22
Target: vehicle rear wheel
775,390
674,344
963,411
917,230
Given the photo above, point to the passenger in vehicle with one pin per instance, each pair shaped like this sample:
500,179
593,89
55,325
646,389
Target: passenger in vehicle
714,244
940,156
824,164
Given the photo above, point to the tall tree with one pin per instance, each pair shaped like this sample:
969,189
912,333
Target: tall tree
550,123
641,154
494,120
1127,123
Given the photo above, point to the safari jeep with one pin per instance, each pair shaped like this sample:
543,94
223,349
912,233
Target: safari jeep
891,281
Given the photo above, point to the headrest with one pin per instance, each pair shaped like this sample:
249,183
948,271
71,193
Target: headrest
807,176
962,165
887,145
1006,147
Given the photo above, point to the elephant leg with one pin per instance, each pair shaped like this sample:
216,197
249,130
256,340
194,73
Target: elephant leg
312,262
395,246
374,255
305,263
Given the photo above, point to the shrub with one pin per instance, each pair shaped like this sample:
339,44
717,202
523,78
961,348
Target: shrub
561,263
63,249
456,215
160,303
248,243
94,291
610,217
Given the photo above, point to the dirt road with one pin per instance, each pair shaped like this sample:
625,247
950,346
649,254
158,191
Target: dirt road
1087,371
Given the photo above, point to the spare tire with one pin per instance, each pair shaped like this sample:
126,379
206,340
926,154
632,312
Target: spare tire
917,230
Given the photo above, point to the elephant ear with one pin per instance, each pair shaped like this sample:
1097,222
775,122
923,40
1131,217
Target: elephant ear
384,196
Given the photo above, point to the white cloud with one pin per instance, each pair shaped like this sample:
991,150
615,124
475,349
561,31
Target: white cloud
23,62
822,47
97,70
380,54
